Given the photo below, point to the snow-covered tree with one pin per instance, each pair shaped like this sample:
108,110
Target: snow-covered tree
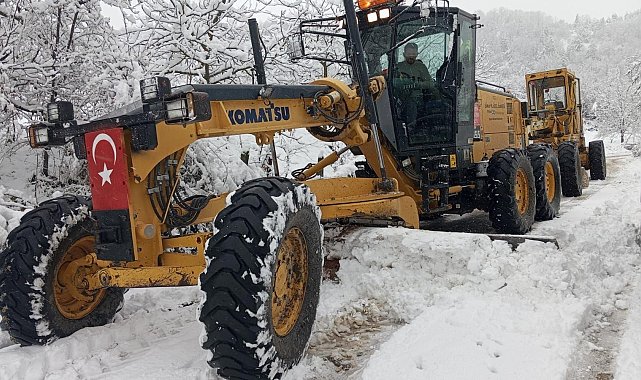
204,41
618,107
55,50
635,75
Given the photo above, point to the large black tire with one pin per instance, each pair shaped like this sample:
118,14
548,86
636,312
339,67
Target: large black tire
570,163
596,155
547,177
512,194
30,267
243,262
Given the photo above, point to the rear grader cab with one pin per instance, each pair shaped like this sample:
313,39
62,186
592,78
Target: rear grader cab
554,107
435,141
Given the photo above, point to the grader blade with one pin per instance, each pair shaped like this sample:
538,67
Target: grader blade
515,240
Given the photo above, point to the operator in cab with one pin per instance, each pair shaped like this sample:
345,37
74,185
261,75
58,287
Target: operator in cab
413,82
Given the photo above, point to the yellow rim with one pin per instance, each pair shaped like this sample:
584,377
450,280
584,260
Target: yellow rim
521,191
290,282
550,182
72,298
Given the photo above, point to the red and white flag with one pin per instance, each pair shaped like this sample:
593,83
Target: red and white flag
107,164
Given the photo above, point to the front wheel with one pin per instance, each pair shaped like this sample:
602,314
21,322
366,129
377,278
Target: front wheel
512,194
42,296
262,281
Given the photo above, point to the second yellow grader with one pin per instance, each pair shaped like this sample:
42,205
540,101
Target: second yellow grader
555,118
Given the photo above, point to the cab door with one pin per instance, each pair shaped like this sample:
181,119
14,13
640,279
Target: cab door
466,93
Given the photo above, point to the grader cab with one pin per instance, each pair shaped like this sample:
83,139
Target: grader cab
554,106
434,141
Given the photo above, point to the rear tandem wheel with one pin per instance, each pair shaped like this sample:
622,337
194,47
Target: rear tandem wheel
547,175
596,155
512,194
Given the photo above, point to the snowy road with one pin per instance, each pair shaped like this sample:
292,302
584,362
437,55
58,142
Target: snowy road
418,305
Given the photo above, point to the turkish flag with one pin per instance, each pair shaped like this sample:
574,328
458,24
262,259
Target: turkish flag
107,165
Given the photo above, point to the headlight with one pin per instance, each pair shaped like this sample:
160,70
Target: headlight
178,110
190,107
154,89
38,136
59,112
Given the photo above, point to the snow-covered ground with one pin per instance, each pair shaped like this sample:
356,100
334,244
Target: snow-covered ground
415,305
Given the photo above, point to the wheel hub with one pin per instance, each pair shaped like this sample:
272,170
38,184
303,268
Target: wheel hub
71,296
550,182
521,191
290,282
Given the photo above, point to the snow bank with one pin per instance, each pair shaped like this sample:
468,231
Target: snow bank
520,314
11,210
466,299
155,337
628,364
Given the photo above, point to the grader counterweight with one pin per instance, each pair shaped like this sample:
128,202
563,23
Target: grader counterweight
435,141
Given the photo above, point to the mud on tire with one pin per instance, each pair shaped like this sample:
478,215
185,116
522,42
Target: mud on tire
547,178
570,163
511,190
596,155
31,312
251,281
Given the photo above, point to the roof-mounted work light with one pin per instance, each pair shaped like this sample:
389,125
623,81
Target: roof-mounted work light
372,4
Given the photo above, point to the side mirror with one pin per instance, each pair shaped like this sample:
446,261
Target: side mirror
295,48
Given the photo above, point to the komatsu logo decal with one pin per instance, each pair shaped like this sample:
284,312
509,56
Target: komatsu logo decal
260,115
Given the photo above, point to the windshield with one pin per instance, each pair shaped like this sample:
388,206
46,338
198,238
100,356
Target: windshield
546,93
376,42
416,71
433,46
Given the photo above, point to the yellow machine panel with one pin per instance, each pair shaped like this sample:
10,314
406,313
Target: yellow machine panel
501,123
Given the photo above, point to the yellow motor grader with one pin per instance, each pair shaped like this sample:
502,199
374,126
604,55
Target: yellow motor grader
435,142
554,109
